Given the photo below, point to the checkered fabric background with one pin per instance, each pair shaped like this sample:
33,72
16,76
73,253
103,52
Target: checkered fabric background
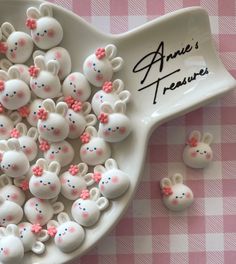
149,233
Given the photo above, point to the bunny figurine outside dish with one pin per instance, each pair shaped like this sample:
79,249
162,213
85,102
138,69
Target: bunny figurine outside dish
7,122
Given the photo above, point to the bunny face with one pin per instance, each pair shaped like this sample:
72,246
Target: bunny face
73,183
44,183
34,106
32,241
39,211
61,152
99,67
198,153
14,162
7,123
10,212
114,182
11,247
77,86
176,195
19,44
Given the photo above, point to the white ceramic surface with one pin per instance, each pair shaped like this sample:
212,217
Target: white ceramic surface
186,29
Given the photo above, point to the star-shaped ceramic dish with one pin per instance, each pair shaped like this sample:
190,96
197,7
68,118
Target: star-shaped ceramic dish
170,67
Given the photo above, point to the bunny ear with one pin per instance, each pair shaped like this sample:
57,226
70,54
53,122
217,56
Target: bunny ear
7,29
91,131
5,64
2,232
22,128
89,179
38,247
14,73
107,108
42,163
33,12
4,75
13,144
83,168
12,230
117,64
43,235
118,86
40,62
3,145
15,117
53,223
63,217
120,107
195,134
124,96
38,53
99,168
86,108
54,167
165,182
102,203
58,207
53,67
49,105
111,164
5,180
45,10
177,178
94,193
111,51
207,138
61,108
33,133
91,120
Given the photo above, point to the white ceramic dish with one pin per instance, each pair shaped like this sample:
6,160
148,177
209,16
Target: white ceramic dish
186,30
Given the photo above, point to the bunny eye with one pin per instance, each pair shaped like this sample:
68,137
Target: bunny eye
99,71
68,180
16,43
94,64
74,91
52,128
45,31
52,152
183,193
205,152
176,197
65,229
14,92
87,148
109,178
1,125
95,148
35,113
41,181
73,122
84,209
197,150
38,34
42,84
35,83
109,129
70,83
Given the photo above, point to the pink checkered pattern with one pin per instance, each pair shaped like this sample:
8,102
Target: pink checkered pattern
148,233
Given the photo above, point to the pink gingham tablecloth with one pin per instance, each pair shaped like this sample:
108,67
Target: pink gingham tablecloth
148,233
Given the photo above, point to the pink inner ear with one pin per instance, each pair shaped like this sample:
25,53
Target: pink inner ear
71,229
99,152
122,130
51,33
193,154
22,42
72,77
114,179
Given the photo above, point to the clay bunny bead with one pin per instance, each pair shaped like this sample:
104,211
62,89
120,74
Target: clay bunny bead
176,195
10,212
14,163
44,183
32,237
46,31
52,125
87,210
68,235
198,153
111,92
14,93
94,150
11,247
7,122
112,181
18,45
34,107
100,66
75,180
114,124
10,192
39,211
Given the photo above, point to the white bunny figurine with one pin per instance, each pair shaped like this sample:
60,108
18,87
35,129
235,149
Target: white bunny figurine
46,31
14,93
198,153
44,81
176,195
75,180
112,181
33,108
94,150
87,210
68,235
14,162
7,123
111,92
18,44
32,237
114,125
100,66
11,247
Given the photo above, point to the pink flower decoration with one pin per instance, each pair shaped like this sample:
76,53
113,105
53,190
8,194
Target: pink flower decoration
15,133
103,118
77,106
33,71
37,171
192,142
100,53
24,185
31,23
24,111
2,85
69,100
73,170
44,145
107,87
97,177
36,228
84,194
2,109
166,191
85,138
52,231
3,47
42,114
